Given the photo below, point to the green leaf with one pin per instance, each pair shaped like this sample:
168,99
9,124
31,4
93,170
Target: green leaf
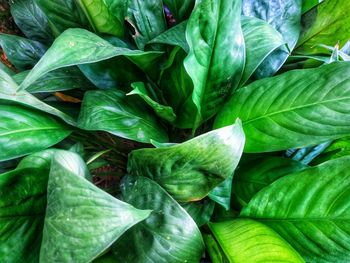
284,16
123,116
168,235
261,39
175,36
190,170
336,149
24,131
180,9
217,54
321,28
147,18
81,220
251,177
309,209
31,20
309,4
164,112
296,109
102,19
222,193
75,47
307,154
57,80
21,52
245,240
200,211
63,14
6,69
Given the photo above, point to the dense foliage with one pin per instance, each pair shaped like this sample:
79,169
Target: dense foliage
176,131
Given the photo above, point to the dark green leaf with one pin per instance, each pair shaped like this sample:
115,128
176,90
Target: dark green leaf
309,209
115,113
336,149
31,20
168,235
245,240
81,220
296,109
217,54
200,211
190,170
309,4
21,52
180,9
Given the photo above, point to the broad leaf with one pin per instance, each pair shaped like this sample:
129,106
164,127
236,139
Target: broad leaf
309,4
251,177
31,20
162,111
123,116
63,14
217,54
261,39
190,170
180,9
21,52
222,193
284,16
309,209
75,47
200,211
24,131
81,220
319,27
168,235
296,109
244,240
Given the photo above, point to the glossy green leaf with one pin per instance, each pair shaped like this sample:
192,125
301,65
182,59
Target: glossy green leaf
309,4
168,235
162,111
120,115
284,16
222,193
21,52
175,36
250,178
319,27
296,109
180,9
217,54
200,211
190,170
336,149
6,69
245,240
148,19
31,20
74,47
102,19
81,220
261,39
24,131
63,14
57,80
309,209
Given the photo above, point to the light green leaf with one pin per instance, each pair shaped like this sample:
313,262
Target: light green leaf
164,112
120,115
296,109
217,54
253,176
309,209
309,4
222,193
168,235
81,220
245,240
75,47
180,9
24,131
190,170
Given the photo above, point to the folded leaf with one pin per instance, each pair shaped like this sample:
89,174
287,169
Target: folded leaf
81,220
75,47
222,193
180,9
201,212
190,170
309,209
168,235
120,115
296,109
24,131
217,54
245,240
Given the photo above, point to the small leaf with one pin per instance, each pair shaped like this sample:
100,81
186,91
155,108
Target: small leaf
222,193
200,211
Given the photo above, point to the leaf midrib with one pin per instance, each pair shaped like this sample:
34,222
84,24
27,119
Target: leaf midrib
29,130
299,219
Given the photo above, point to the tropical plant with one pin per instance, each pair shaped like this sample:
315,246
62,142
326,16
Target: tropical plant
175,131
